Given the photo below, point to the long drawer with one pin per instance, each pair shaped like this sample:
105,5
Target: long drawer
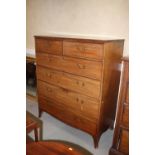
62,113
83,50
82,67
75,66
76,83
84,106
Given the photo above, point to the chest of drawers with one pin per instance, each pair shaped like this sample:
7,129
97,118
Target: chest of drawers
78,80
121,133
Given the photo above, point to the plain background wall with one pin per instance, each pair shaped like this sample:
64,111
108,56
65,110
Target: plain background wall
92,18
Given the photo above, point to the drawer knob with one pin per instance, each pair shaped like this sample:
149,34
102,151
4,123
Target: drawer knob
58,81
81,66
65,90
49,89
77,99
83,84
80,48
49,75
49,59
82,101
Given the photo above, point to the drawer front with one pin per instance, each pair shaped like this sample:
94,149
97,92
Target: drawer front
76,83
81,67
48,60
125,116
124,142
75,66
62,113
49,46
84,106
83,50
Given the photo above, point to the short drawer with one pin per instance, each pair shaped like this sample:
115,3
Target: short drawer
49,46
76,83
75,66
83,50
48,60
62,113
125,115
84,106
124,142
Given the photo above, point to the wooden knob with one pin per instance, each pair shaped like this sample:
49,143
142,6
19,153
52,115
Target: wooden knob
82,101
77,82
49,59
49,89
81,66
80,48
77,99
49,75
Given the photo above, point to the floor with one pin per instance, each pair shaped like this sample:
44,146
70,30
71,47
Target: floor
31,90
55,129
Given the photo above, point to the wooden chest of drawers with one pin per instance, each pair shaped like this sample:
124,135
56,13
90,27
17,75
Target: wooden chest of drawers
121,133
78,81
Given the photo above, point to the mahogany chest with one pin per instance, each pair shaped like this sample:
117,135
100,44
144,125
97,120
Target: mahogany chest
78,81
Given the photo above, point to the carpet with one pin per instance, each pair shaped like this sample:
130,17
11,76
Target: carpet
54,129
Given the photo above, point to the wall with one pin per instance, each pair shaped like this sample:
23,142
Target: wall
85,18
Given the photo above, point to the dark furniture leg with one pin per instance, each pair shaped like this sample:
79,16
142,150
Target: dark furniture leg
40,112
96,141
36,134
